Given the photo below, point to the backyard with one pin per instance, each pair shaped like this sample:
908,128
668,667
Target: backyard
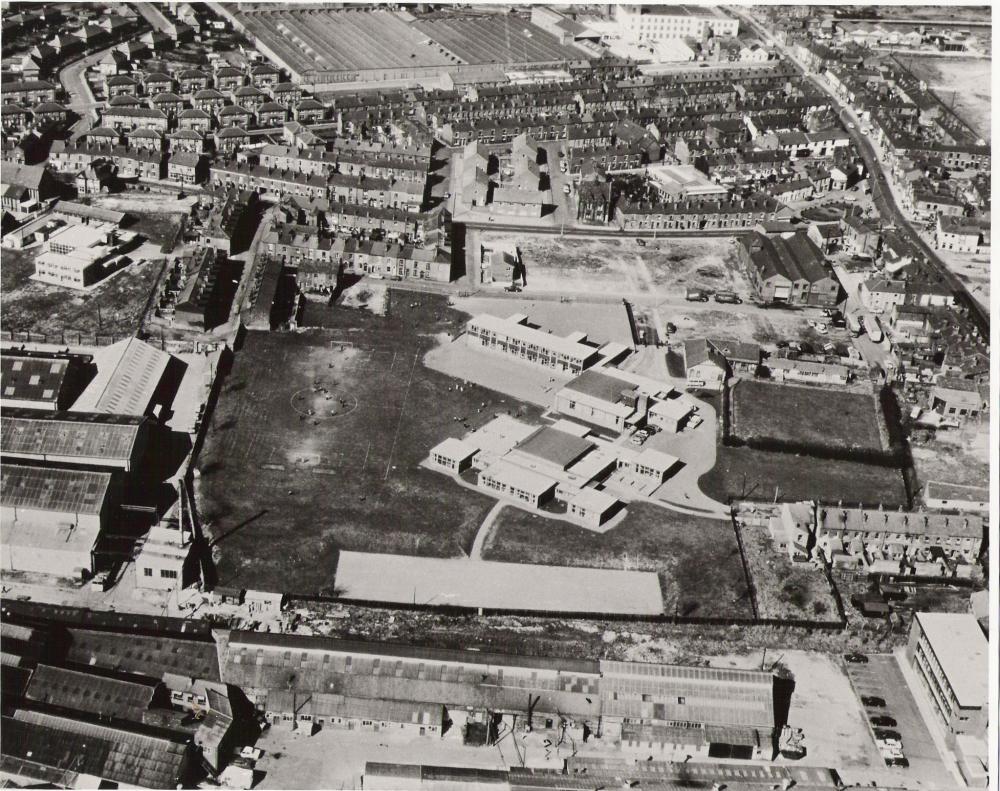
815,416
697,559
315,446
785,589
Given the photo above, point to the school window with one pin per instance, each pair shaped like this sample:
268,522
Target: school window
169,574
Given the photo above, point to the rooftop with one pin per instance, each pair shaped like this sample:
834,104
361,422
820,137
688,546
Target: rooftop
69,434
555,446
600,386
54,489
961,649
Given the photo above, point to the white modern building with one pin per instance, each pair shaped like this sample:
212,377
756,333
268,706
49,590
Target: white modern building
660,22
516,338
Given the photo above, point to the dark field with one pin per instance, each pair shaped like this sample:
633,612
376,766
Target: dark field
697,559
806,415
746,473
283,491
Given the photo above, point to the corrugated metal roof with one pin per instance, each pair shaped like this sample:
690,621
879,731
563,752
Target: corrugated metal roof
71,434
53,489
27,378
125,698
135,379
113,753
152,656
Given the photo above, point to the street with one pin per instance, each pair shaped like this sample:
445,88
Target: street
882,189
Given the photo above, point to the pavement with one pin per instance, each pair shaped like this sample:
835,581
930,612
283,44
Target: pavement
882,676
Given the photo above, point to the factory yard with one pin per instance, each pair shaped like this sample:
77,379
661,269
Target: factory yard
697,558
815,416
964,81
316,442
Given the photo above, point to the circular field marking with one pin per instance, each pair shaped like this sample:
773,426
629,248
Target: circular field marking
319,405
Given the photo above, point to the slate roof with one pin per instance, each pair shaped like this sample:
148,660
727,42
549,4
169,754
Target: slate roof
53,489
80,434
121,696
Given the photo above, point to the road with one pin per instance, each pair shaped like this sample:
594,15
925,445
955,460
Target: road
155,17
882,191
81,98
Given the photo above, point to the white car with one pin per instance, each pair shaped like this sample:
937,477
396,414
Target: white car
695,421
820,328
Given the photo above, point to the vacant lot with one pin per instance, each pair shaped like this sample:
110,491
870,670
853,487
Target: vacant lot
697,559
961,83
285,484
745,473
621,267
785,589
806,415
113,308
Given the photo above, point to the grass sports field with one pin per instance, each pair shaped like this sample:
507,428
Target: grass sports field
697,559
806,415
283,490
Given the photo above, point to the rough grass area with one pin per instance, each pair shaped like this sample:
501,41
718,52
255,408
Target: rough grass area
112,308
697,559
283,490
746,473
819,416
785,589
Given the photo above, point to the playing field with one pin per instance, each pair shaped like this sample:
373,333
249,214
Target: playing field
316,442
799,415
478,583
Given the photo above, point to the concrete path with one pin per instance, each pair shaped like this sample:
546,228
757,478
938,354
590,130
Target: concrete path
484,531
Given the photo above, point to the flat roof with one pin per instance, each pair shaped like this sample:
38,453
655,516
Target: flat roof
54,489
456,448
594,499
600,386
555,446
676,408
518,477
511,327
961,648
513,586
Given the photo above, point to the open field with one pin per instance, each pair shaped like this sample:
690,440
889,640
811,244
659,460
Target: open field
697,559
785,589
622,267
958,456
963,84
114,307
511,586
285,484
745,473
806,415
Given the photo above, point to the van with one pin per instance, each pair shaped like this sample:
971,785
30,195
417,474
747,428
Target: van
728,297
696,295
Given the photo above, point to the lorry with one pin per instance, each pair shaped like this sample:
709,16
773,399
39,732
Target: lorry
728,297
696,295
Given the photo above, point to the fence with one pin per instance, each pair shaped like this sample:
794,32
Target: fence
63,338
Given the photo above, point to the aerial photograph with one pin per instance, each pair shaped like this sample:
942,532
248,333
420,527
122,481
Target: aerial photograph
496,397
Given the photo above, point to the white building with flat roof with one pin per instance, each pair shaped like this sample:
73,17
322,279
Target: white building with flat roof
454,455
949,653
511,480
79,256
593,507
661,22
515,337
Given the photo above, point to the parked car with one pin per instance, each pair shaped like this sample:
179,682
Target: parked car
695,421
897,760
873,701
888,736
882,721
640,242
856,658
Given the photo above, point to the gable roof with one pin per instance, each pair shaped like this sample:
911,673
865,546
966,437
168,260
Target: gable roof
134,379
108,695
